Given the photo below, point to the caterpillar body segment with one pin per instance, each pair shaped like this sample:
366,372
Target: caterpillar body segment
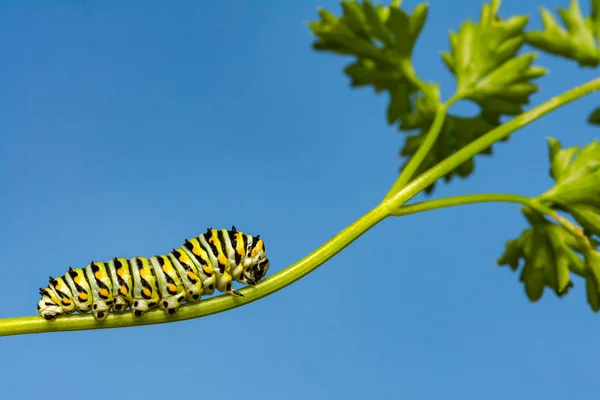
80,289
122,283
209,262
145,289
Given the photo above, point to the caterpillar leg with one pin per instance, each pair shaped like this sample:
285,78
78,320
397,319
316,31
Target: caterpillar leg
120,304
100,309
141,307
225,284
171,304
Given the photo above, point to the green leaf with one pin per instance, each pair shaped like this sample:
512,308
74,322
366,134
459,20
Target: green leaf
592,263
559,159
577,175
548,253
382,39
484,60
592,295
551,252
594,117
579,41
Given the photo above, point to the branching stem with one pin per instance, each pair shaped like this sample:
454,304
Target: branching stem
489,198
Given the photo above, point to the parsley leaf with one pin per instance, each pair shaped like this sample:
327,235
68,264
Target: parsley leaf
579,41
550,252
484,60
382,39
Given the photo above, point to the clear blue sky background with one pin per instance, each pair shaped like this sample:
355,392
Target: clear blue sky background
126,127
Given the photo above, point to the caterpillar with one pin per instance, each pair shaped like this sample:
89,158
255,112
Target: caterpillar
213,260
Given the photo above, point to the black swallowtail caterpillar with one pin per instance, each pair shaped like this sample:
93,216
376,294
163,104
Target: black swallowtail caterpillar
210,261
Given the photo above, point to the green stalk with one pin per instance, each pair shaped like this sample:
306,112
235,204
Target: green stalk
461,200
489,198
24,325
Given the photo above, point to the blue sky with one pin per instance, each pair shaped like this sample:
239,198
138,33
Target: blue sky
126,127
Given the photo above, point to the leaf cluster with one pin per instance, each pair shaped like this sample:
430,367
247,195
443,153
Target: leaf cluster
382,39
550,252
483,58
491,71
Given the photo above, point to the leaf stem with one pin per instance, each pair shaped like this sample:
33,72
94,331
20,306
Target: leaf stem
489,198
36,324
460,200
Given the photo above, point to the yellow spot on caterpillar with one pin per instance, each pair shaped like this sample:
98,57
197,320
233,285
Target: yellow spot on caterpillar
120,271
195,249
77,279
123,290
59,286
222,259
192,276
147,292
258,248
184,258
172,288
240,244
143,272
83,296
66,302
207,270
103,292
167,269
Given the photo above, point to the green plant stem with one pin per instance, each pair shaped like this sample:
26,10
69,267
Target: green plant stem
413,164
36,324
461,200
489,198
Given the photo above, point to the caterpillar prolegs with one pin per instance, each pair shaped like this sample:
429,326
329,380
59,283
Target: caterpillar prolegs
202,264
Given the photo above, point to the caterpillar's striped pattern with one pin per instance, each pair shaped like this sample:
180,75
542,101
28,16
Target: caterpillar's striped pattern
202,264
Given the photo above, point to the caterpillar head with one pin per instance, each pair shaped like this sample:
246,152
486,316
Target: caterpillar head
256,262
256,272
